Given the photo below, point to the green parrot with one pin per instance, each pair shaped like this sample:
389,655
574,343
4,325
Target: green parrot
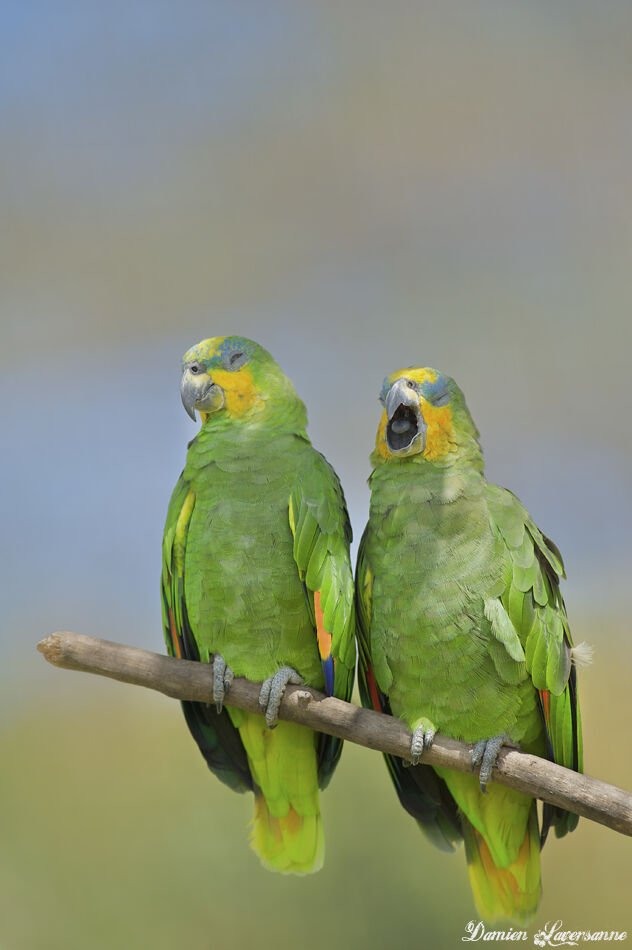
463,631
256,579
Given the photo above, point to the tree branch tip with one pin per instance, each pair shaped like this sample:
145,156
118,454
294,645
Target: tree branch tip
51,648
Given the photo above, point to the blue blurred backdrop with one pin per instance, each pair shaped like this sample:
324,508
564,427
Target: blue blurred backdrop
358,187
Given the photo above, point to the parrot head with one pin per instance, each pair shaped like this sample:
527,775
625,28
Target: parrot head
424,416
232,378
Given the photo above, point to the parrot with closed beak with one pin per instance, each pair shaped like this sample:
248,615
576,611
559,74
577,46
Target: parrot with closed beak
463,631
257,581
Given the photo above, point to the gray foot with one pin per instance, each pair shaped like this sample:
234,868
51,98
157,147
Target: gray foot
485,754
222,679
422,739
272,693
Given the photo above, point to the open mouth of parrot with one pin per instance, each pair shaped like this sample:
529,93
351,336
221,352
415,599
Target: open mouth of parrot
402,428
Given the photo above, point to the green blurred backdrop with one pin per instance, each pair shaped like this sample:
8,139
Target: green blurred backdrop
359,187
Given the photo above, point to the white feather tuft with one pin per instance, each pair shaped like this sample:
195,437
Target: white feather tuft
582,655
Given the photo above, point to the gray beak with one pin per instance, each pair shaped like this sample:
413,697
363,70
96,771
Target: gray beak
400,394
198,391
188,394
406,427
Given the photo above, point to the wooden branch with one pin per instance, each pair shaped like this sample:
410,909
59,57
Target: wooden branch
183,679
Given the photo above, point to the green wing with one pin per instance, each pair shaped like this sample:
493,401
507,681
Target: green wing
217,738
534,606
421,792
322,533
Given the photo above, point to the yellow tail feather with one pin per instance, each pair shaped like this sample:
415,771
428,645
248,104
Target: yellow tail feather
291,845
513,891
287,830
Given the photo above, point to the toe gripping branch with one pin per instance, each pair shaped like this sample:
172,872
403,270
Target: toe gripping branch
222,679
422,739
485,754
272,692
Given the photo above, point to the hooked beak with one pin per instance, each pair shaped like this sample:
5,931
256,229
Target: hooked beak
406,427
198,391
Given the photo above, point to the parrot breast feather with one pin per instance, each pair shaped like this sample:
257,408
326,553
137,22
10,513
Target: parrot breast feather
420,790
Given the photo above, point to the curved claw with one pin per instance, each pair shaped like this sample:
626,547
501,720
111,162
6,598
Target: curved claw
223,677
272,691
422,739
485,754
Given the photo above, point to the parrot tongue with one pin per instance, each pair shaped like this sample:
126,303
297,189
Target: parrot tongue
402,428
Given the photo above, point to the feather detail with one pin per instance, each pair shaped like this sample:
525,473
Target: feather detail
582,655
175,639
290,844
329,671
287,830
324,638
512,891
324,647
375,698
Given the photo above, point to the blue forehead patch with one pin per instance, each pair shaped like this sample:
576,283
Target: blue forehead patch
437,392
384,390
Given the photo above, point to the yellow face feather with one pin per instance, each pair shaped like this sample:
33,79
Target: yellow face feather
240,391
440,439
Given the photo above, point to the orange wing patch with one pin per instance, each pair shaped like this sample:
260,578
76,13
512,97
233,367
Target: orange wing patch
324,638
327,661
545,696
174,636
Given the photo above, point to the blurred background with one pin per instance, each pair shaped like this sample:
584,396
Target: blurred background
358,187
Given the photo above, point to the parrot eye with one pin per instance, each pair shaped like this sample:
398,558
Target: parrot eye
413,385
441,399
194,368
439,392
236,360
